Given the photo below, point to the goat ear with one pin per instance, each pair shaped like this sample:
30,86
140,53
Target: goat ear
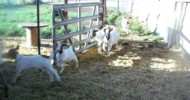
110,29
105,30
17,47
61,50
94,33
108,37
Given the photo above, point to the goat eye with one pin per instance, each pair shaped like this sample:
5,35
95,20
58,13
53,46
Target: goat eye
107,37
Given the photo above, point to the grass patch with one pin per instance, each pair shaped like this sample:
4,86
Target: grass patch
135,25
154,37
12,16
111,17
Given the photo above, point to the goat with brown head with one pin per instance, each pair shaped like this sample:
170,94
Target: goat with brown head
65,55
13,52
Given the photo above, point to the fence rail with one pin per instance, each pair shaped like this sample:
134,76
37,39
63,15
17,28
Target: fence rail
58,6
62,10
75,20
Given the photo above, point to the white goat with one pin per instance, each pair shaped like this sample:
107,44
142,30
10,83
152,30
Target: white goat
111,38
98,35
34,61
106,37
65,55
125,24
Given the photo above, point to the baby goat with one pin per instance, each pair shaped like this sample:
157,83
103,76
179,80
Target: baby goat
34,61
125,24
98,35
65,55
111,38
12,52
106,38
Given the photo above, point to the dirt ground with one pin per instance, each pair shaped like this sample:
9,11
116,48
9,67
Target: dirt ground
136,70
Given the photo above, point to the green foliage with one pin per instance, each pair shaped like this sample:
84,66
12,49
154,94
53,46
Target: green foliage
11,17
135,26
12,3
121,32
153,36
111,17
138,27
119,18
118,21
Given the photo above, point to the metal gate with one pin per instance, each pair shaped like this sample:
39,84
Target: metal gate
61,19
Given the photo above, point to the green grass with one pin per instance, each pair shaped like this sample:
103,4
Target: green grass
154,36
11,17
135,26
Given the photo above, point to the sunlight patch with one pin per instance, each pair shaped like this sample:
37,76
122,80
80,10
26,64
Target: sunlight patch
163,64
124,61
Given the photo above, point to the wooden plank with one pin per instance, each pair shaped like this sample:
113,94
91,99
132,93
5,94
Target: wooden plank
32,25
88,46
74,33
75,20
34,36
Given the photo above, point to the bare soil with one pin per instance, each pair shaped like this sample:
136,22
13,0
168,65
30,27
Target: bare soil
136,70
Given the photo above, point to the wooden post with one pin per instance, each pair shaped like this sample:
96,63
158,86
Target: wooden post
66,1
102,12
31,36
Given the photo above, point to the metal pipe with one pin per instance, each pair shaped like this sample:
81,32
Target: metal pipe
38,25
